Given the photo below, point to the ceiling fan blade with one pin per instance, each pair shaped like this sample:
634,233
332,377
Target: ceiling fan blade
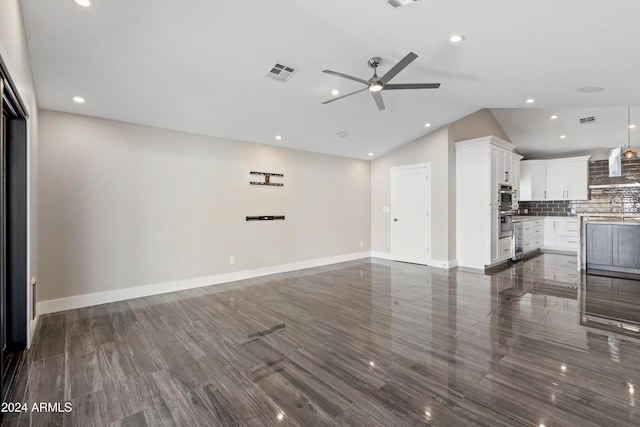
346,76
398,67
412,86
344,96
377,96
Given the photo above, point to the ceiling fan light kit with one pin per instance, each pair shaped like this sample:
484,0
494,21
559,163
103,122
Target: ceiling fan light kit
377,84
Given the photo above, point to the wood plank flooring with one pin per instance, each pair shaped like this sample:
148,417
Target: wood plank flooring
363,343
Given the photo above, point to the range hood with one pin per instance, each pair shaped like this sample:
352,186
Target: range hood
615,178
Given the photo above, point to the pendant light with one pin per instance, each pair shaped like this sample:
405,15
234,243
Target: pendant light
629,153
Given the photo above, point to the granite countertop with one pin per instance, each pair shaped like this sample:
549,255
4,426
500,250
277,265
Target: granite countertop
630,219
521,218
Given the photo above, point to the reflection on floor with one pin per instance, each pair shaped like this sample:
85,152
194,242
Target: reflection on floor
367,342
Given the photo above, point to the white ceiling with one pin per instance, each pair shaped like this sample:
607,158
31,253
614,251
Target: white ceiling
537,136
199,66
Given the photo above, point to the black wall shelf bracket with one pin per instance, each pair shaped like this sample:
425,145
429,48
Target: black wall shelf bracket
265,218
267,178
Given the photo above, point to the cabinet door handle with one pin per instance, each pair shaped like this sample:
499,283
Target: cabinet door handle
545,194
506,174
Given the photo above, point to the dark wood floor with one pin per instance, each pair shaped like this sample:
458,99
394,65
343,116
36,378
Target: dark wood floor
363,343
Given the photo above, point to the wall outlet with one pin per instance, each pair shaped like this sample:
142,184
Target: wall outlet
361,244
232,260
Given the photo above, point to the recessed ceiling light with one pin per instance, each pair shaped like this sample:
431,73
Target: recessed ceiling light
78,99
370,154
563,136
335,92
590,89
530,101
278,137
554,117
632,126
427,125
83,3
456,38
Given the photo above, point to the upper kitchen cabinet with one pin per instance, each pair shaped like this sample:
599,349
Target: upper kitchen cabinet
504,166
533,180
556,179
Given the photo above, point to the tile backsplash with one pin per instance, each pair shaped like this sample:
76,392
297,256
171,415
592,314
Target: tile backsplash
600,200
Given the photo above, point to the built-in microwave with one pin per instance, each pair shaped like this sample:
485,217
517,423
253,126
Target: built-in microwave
505,198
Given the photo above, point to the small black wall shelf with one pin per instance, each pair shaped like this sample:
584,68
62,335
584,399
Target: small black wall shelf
265,218
267,179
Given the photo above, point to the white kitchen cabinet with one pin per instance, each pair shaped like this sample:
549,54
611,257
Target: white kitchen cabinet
568,179
533,180
529,234
577,181
482,164
561,234
556,179
505,167
515,172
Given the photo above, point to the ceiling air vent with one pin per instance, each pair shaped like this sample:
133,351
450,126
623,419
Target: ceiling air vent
281,72
587,120
400,3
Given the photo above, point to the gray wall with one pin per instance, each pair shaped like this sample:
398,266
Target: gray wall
437,148
431,148
15,54
125,205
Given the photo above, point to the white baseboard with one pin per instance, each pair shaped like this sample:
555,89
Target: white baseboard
382,255
32,328
432,262
87,300
444,264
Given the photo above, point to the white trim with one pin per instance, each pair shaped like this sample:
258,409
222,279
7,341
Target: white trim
486,139
430,263
392,180
31,324
444,264
86,300
382,255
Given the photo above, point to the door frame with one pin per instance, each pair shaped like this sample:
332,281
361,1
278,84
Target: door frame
392,171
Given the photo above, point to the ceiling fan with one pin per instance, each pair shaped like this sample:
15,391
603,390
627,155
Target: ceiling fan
376,84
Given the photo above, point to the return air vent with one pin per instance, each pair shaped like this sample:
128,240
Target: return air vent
587,120
281,72
400,3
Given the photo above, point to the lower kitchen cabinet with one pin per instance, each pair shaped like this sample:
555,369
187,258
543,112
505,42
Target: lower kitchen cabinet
599,240
626,246
561,234
528,235
613,247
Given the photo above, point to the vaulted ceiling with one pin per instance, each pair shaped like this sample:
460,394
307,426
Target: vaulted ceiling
200,66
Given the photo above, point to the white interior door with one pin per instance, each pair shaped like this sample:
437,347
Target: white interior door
410,213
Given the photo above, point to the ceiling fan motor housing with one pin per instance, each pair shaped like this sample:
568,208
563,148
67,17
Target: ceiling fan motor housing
374,62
